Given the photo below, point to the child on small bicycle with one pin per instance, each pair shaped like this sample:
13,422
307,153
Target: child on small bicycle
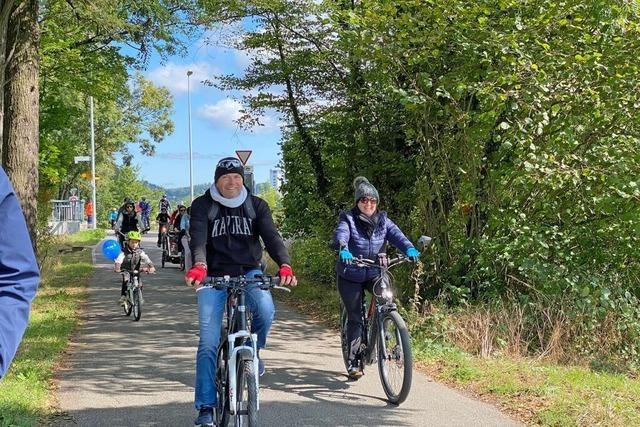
363,231
131,259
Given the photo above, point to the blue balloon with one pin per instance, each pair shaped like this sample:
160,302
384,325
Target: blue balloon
111,249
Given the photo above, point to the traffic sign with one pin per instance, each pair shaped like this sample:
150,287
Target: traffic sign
248,169
243,155
77,159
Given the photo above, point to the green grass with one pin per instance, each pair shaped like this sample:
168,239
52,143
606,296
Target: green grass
25,392
535,392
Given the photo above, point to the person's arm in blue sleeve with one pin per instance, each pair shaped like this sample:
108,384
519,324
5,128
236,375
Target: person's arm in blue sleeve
19,273
396,237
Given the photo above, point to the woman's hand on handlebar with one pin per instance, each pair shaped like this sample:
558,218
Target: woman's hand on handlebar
346,257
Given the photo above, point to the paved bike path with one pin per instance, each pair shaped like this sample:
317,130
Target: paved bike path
125,373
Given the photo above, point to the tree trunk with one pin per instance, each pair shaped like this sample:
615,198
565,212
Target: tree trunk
308,143
21,114
5,11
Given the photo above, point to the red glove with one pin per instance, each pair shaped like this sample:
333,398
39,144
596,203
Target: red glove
287,278
197,273
285,270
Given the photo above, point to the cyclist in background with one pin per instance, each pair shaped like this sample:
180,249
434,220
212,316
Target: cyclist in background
145,211
113,217
128,220
164,203
363,231
184,227
163,221
226,226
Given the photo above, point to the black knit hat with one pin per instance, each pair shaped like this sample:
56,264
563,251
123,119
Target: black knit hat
228,165
363,188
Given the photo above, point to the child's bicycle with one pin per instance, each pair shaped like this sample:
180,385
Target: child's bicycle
237,369
133,296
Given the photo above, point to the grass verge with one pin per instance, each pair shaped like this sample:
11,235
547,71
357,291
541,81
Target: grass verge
534,392
26,391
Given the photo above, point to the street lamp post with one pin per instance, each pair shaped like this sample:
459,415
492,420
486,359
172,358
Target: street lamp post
189,73
94,221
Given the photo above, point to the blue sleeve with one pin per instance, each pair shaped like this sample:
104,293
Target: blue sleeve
19,273
396,237
342,233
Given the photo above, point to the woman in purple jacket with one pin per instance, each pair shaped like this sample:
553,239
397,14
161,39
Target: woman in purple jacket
363,231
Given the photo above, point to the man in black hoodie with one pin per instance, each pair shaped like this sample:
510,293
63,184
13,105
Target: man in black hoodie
226,225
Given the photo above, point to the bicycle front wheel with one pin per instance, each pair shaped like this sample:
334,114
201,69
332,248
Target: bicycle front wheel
137,304
394,357
247,403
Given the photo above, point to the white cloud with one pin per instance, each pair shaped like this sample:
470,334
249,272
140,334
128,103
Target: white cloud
174,76
224,113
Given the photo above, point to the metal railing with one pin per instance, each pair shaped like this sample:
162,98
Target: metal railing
65,210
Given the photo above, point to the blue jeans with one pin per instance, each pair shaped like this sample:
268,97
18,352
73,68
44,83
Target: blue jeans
211,304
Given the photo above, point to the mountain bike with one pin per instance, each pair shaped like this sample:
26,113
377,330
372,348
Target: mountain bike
385,337
237,379
133,296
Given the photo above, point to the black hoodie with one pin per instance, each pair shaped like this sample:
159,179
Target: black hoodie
230,242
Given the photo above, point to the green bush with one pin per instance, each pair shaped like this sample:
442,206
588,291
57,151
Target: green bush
314,259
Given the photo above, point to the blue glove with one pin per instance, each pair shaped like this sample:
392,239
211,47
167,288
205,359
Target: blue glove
413,254
345,256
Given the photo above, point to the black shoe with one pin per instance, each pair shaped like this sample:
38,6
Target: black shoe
205,418
353,370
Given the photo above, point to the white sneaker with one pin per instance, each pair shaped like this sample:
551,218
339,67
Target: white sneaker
123,299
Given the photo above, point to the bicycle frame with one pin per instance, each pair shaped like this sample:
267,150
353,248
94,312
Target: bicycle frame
380,303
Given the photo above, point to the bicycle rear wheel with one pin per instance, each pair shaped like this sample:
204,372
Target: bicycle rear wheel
394,357
137,304
247,403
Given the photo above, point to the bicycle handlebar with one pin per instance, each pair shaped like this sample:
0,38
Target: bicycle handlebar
365,262
238,282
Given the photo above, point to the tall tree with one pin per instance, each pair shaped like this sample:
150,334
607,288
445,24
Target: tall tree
20,138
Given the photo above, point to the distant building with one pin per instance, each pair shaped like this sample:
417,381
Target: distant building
276,177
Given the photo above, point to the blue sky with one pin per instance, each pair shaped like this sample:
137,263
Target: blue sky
214,132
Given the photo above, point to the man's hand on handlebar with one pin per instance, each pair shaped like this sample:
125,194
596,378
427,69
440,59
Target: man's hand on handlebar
196,275
287,278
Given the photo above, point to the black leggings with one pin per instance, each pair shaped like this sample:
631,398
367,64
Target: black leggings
351,294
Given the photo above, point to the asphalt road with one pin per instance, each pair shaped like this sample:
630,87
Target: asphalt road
125,373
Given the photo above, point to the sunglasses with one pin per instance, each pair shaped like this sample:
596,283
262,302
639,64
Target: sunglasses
229,164
366,200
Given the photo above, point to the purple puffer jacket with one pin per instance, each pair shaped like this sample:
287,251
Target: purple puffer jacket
351,232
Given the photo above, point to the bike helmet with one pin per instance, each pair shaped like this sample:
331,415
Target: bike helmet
134,235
